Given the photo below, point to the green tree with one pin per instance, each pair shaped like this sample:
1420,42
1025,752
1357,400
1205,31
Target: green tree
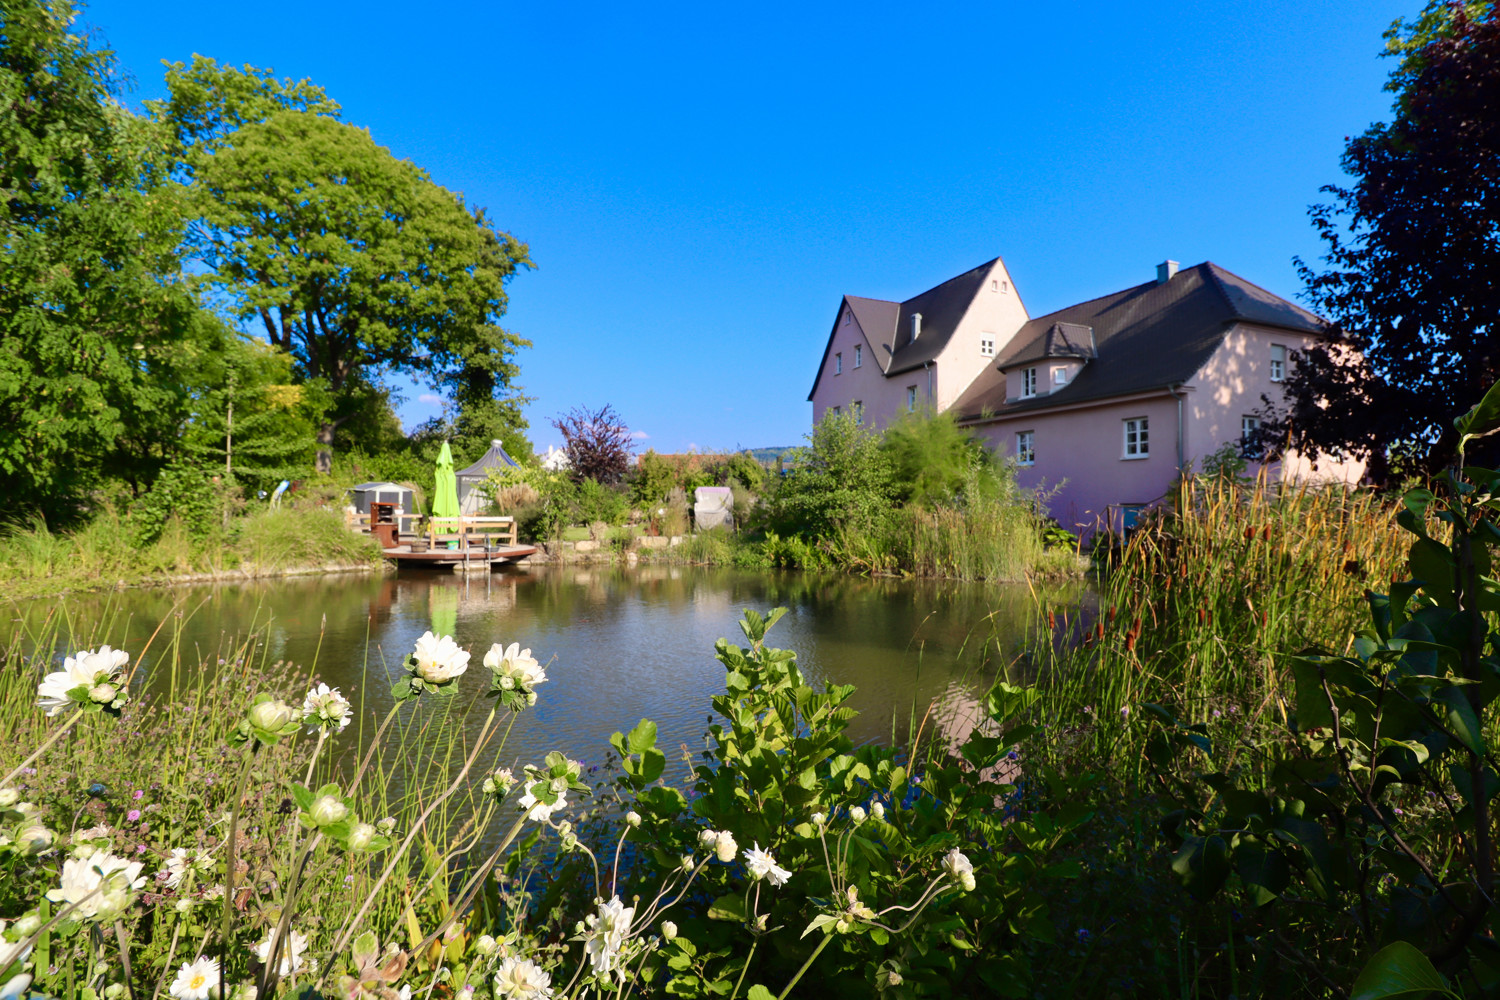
843,478
931,456
354,262
95,318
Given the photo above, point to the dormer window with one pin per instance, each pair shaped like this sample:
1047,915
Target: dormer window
1028,383
838,364
1059,376
859,354
987,345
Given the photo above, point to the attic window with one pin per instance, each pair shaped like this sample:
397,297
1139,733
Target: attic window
996,285
1028,383
859,354
838,364
848,316
1059,376
987,345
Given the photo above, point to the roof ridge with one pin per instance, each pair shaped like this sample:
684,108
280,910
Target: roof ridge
1212,270
949,281
1096,298
866,298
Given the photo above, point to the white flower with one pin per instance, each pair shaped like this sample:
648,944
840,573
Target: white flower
326,708
485,945
632,818
87,669
197,980
956,865
500,782
100,884
514,663
291,953
539,811
179,863
725,846
668,930
708,838
361,837
35,839
878,811
762,865
9,797
327,810
522,979
857,813
438,660
818,819
607,933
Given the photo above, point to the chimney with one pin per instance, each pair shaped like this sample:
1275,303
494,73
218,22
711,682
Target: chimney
916,325
1165,270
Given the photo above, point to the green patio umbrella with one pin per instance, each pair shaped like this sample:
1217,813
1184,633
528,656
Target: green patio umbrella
445,496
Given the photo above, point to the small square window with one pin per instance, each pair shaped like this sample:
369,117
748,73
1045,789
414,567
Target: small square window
1028,383
994,284
1278,363
1059,376
911,398
1137,439
987,345
859,355
838,364
1025,448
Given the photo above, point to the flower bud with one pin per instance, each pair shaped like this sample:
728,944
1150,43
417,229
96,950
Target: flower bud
272,716
967,881
819,820
327,810
531,697
361,837
857,814
632,818
27,925
688,864
184,906
35,839
725,847
878,809
103,693
114,991
668,930
485,945
708,837
841,925
760,922
387,825
9,797
894,978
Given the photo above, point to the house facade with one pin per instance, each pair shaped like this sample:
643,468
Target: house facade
1101,404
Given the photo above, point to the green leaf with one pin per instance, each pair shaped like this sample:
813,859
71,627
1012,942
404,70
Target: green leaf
728,908
819,922
1482,419
1461,717
642,737
759,992
1398,970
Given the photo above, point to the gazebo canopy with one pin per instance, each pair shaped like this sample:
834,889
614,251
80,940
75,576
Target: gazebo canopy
470,501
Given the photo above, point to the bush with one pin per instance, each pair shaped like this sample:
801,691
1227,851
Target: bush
843,480
183,492
593,501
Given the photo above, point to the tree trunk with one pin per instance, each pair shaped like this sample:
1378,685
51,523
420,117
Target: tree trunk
325,446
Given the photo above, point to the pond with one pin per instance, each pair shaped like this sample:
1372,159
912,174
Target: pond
620,644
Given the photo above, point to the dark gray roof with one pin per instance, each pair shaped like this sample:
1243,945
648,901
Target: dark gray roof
888,324
495,458
1060,340
1146,338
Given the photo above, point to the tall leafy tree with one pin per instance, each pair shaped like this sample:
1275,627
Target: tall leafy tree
352,261
95,319
1412,283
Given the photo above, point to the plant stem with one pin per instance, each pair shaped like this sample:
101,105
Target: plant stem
746,968
72,719
805,966
229,858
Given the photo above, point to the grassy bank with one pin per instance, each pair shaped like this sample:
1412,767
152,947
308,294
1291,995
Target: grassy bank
108,551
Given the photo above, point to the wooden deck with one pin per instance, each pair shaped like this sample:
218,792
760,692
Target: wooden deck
474,559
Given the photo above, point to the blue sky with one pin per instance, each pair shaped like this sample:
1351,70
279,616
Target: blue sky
699,184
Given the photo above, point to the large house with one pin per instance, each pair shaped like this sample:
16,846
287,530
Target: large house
1104,402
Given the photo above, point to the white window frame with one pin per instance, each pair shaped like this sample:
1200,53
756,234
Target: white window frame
1060,375
859,355
848,316
911,399
1028,383
838,363
1278,362
1025,447
987,345
1249,425
1137,438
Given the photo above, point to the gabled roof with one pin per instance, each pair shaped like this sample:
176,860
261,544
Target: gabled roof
1146,338
887,325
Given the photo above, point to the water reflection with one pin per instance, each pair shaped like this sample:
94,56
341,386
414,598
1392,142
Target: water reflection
623,644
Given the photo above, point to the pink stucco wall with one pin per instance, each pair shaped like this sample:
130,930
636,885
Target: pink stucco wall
996,311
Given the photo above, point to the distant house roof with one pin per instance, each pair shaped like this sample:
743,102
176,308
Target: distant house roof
1145,338
888,325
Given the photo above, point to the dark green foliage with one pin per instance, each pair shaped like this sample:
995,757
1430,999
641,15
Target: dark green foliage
593,501
651,479
843,478
931,456
184,492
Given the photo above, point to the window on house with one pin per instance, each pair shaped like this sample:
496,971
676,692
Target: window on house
859,354
911,398
836,411
1004,287
848,316
838,364
1028,383
987,345
1137,441
1250,437
1278,362
1025,448
859,410
1059,376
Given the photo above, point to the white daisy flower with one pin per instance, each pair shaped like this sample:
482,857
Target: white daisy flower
197,980
522,979
326,708
438,660
292,960
762,865
96,670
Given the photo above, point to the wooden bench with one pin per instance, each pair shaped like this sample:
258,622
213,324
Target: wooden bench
462,528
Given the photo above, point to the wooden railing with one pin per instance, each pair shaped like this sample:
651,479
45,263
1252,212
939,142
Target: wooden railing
463,527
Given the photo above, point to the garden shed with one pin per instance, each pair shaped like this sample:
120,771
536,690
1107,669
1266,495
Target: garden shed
470,499
368,493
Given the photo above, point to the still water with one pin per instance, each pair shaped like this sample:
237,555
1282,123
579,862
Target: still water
620,644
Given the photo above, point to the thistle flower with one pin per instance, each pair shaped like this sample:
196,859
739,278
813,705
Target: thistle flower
85,678
762,865
522,979
292,960
196,980
101,885
437,661
606,934
327,709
